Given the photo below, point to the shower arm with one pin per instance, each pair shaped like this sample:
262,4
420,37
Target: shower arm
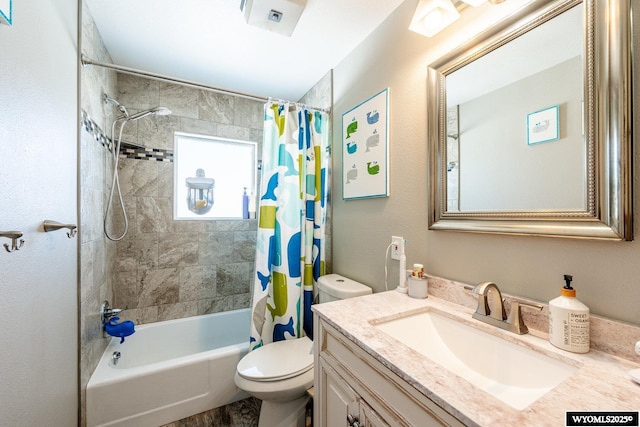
120,107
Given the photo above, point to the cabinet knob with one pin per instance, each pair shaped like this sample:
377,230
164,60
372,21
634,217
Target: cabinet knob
353,420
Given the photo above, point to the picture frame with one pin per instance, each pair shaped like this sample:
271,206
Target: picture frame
543,125
6,12
365,149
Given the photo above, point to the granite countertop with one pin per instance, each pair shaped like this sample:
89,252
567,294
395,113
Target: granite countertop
601,382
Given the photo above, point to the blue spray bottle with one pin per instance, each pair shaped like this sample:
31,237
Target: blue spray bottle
245,204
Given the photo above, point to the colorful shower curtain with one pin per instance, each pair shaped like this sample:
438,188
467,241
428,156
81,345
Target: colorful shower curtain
290,247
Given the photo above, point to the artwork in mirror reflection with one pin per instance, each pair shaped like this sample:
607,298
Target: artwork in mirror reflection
491,166
215,178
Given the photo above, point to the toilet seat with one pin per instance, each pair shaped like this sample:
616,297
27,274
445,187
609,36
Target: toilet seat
278,361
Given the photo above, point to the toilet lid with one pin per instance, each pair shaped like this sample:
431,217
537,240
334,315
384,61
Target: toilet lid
278,361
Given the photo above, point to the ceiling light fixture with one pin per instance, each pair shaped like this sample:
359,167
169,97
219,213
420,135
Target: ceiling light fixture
432,16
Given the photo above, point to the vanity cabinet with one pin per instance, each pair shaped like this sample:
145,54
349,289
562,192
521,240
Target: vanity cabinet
343,406
354,389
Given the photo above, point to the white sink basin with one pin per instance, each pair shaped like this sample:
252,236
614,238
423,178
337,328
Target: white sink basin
516,375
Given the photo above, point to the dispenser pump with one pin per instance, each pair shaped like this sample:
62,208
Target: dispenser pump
568,291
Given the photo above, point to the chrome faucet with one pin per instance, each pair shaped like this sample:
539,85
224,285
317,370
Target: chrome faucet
106,313
495,314
483,310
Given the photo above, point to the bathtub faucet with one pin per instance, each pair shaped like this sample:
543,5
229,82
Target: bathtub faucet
120,330
110,326
107,312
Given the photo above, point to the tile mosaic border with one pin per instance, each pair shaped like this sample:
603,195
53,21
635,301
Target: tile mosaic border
127,150
94,130
131,151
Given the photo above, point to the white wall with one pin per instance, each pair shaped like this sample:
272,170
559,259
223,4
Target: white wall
38,164
504,172
606,274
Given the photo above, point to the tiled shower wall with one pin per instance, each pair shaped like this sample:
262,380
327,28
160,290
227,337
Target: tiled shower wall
163,268
168,269
97,254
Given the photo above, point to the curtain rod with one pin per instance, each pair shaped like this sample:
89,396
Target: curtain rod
299,104
126,70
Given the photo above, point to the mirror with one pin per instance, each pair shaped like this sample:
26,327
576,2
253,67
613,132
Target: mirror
532,125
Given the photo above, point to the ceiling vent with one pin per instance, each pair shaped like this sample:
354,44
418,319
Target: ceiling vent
279,16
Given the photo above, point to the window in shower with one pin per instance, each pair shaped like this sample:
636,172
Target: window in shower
214,178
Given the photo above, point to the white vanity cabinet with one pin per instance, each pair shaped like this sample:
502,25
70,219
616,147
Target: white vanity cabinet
354,389
342,405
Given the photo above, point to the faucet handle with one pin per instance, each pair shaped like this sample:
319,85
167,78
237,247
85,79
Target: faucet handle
106,312
515,316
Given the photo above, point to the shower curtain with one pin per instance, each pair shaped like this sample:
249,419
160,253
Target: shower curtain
290,247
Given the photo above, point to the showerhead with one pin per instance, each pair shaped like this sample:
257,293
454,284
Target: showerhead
157,111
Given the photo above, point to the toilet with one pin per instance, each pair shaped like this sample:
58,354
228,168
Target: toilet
280,373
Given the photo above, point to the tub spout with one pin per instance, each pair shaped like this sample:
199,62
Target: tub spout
122,330
113,312
109,318
106,312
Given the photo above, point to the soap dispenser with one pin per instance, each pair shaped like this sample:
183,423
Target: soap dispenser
569,320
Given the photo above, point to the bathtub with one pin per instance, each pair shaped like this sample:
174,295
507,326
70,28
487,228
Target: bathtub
169,370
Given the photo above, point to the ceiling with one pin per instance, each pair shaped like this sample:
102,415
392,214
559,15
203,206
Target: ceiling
553,42
209,41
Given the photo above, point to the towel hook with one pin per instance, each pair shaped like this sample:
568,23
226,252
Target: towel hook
15,243
54,225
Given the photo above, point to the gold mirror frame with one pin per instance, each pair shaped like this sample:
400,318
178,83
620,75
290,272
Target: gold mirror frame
607,71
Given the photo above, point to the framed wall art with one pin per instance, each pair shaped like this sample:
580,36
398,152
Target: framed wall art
6,12
365,149
543,126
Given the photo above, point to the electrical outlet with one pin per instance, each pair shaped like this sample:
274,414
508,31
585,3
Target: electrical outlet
397,246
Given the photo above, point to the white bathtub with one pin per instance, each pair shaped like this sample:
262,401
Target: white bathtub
169,370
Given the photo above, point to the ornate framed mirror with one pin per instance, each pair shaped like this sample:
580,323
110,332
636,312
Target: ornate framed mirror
530,126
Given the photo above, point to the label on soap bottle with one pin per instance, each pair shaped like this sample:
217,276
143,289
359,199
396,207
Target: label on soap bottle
569,329
579,330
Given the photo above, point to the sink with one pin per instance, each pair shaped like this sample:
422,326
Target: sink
514,374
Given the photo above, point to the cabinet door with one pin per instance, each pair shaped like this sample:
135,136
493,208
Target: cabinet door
340,400
369,417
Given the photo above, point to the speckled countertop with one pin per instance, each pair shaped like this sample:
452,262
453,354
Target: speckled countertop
600,383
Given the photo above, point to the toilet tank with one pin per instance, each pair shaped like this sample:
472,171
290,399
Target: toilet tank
333,287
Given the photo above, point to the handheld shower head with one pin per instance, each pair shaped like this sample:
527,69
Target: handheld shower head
157,111
115,184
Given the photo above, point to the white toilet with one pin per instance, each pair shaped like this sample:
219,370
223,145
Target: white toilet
280,373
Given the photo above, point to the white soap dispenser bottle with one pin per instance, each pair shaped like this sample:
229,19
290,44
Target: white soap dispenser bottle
569,321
